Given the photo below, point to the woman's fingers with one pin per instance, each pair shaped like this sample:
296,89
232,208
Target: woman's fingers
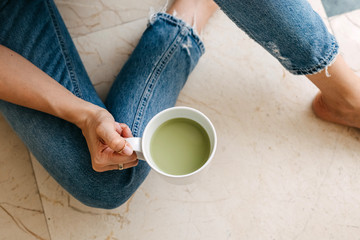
126,132
129,164
116,159
118,127
110,136
125,166
107,159
116,166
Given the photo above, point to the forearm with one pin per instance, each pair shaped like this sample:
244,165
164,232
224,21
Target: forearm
24,84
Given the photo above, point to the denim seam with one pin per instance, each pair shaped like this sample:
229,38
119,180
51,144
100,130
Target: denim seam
68,62
323,62
152,80
177,21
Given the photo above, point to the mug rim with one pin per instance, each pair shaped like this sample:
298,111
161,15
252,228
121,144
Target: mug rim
144,137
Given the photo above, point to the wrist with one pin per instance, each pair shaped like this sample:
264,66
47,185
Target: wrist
85,113
78,111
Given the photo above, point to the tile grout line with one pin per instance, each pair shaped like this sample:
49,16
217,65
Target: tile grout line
37,186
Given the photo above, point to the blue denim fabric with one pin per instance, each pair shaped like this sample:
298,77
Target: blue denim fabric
149,82
289,30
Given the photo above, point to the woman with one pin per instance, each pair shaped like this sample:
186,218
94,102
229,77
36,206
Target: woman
50,102
57,113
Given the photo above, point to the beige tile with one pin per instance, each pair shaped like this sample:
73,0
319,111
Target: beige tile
21,213
87,16
346,28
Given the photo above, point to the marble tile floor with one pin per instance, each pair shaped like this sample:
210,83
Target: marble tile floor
338,7
279,172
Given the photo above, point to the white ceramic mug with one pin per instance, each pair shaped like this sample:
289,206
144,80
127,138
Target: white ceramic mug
142,145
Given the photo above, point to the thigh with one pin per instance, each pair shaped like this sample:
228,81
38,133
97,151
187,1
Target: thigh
290,30
35,30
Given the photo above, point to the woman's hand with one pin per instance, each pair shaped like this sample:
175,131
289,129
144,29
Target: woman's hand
105,140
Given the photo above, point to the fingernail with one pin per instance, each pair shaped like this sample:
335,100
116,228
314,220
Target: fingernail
127,150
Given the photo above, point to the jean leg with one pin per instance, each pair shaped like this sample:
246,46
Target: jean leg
35,30
290,30
154,74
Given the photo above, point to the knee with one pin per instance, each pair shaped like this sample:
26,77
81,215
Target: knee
303,54
104,203
104,198
109,190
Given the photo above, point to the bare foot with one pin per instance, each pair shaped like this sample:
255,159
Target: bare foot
348,116
339,97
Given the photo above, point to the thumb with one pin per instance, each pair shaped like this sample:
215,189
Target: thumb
113,139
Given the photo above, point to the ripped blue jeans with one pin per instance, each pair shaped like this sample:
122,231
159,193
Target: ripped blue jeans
289,30
153,77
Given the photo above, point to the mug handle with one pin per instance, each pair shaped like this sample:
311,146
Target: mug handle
135,143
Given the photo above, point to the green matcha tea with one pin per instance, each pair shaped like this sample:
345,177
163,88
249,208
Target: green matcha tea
180,146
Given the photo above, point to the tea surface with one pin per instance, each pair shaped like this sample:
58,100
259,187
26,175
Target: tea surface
180,146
